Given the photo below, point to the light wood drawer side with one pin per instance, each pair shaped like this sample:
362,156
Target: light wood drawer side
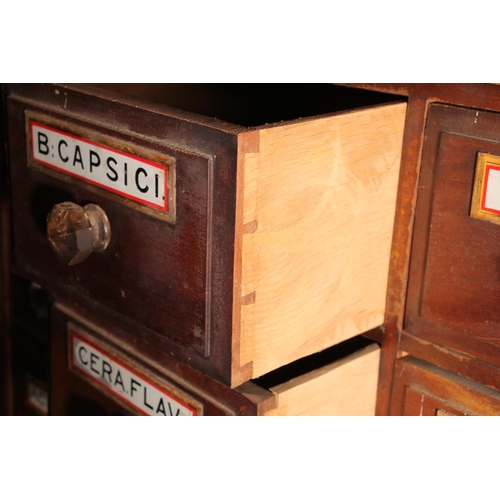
344,388
316,204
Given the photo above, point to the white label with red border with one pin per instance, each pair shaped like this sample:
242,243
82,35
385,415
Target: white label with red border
490,201
123,382
133,177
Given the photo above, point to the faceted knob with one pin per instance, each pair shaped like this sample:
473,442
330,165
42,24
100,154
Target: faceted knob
74,232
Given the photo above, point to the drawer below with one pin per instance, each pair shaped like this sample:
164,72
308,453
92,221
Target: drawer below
93,372
421,389
347,387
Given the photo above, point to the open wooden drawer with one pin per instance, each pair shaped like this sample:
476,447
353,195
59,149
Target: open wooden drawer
250,226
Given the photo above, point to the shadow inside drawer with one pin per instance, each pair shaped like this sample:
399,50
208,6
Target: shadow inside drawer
251,105
313,362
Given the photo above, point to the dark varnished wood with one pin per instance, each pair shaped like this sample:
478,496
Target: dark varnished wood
422,389
28,333
454,361
423,405
400,252
484,96
157,276
443,320
454,287
5,347
73,394
30,365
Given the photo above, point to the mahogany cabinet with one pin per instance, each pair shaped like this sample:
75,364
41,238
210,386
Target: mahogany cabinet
454,280
425,390
92,375
439,308
214,233
440,351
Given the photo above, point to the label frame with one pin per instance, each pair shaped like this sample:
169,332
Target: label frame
76,331
105,140
485,162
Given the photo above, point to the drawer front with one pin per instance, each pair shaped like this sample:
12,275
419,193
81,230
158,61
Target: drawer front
95,373
454,286
421,389
142,260
157,270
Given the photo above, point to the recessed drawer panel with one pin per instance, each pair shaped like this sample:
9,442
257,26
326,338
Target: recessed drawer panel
236,245
421,389
454,286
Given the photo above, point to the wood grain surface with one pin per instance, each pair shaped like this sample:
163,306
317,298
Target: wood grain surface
422,389
319,197
344,388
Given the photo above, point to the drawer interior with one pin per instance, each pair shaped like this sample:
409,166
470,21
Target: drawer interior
252,105
341,380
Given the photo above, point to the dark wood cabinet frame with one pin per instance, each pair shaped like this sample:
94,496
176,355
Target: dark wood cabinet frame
473,362
396,341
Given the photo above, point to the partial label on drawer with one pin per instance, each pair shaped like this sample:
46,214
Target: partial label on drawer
486,193
37,397
122,381
116,166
